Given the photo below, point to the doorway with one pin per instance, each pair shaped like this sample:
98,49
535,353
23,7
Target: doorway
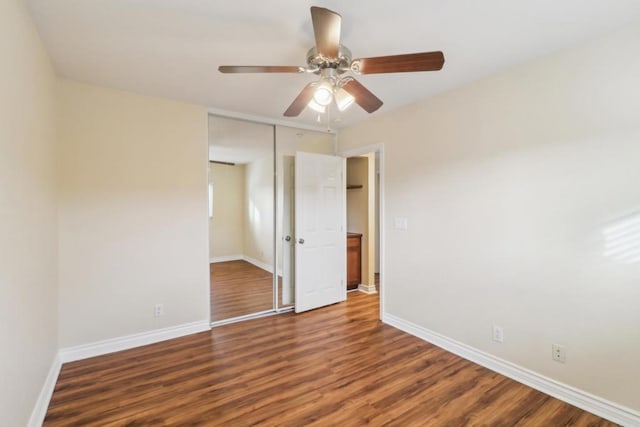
365,215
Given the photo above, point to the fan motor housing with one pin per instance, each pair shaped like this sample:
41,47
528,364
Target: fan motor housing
318,62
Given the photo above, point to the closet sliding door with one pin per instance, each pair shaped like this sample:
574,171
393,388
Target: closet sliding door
251,215
241,218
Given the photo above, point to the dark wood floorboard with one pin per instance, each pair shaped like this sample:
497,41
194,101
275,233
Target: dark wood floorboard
239,288
337,365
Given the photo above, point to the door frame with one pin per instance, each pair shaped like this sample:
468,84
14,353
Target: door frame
379,149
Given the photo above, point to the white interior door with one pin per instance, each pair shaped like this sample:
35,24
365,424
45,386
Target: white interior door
320,250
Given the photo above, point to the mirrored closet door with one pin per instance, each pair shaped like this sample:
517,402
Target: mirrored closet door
241,218
251,214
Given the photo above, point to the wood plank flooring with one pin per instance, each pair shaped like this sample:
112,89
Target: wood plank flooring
239,288
337,365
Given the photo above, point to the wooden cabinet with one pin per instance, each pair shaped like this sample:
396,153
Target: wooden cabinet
354,260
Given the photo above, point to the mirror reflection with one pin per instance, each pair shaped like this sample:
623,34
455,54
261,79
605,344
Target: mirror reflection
241,219
251,214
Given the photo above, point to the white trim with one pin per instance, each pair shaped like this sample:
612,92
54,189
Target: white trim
266,120
225,258
379,148
259,264
42,403
259,314
99,348
597,405
367,289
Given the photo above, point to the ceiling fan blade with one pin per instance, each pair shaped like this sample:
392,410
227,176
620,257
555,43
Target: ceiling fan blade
301,101
363,97
326,27
259,69
425,61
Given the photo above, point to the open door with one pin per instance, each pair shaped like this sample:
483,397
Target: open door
320,247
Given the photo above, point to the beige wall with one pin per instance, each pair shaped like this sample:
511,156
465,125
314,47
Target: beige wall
132,213
512,187
258,230
28,246
226,228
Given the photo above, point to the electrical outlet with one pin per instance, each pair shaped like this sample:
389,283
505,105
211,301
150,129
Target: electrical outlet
498,334
558,353
158,310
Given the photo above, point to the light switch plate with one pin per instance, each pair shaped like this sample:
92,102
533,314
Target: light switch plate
400,223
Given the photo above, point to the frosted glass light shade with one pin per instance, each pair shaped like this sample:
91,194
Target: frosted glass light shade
317,107
343,99
323,93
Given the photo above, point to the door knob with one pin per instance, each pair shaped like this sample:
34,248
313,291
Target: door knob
287,238
301,241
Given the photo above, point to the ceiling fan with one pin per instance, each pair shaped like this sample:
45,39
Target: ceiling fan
332,61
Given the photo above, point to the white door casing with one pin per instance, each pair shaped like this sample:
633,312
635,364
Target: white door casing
288,232
320,206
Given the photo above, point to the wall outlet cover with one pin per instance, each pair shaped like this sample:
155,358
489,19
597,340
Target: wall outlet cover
558,353
158,310
498,334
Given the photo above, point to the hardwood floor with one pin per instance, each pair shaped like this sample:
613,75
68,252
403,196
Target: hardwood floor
337,365
239,288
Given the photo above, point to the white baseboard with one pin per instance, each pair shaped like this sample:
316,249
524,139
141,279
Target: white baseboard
42,403
594,404
99,348
259,264
225,258
367,289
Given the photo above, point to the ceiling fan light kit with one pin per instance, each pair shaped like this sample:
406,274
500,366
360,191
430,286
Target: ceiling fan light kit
316,107
330,60
323,93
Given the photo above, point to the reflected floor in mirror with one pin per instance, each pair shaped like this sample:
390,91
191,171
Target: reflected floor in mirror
239,288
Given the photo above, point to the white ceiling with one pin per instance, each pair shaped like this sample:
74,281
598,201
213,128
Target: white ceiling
242,141
172,48
238,141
